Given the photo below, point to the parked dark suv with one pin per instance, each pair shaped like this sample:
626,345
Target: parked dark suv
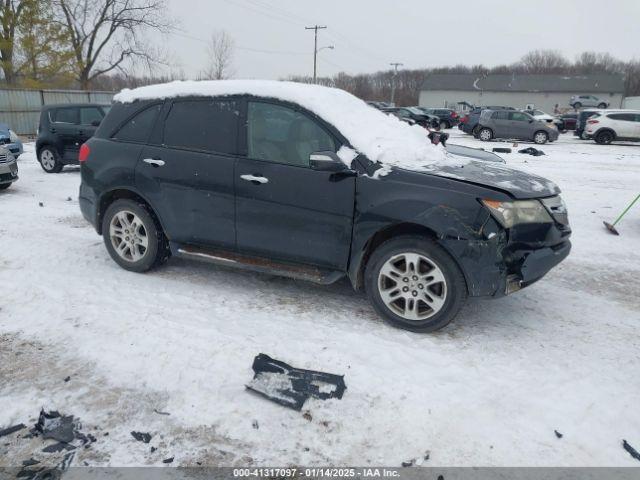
61,131
311,183
448,117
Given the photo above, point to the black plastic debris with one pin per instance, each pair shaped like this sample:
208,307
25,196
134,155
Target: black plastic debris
532,151
30,463
255,424
502,150
141,436
67,379
153,449
558,434
291,387
168,460
13,429
53,425
58,447
632,451
160,412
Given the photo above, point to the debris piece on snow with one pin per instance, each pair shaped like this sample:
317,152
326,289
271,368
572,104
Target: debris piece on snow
558,434
153,449
29,463
168,460
67,379
41,204
291,387
55,426
255,425
408,463
632,451
160,413
68,199
502,150
141,436
532,151
307,416
58,447
13,429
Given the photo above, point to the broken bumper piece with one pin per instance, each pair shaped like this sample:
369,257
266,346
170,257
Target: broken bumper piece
291,387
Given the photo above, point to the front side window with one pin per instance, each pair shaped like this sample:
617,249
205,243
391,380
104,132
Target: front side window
282,135
90,115
138,128
203,125
519,117
66,115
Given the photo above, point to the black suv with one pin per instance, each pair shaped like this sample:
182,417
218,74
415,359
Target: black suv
61,131
448,117
251,181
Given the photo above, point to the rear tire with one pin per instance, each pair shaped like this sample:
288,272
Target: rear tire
444,124
430,291
485,134
133,238
602,106
604,138
577,105
4,186
50,160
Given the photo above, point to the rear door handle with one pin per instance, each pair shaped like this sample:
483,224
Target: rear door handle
156,162
255,178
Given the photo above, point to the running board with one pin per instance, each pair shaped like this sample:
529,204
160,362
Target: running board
258,264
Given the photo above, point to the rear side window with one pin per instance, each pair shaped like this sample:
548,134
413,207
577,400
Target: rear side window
206,125
501,115
138,128
65,115
90,115
625,117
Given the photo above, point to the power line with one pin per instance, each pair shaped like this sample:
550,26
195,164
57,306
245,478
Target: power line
239,47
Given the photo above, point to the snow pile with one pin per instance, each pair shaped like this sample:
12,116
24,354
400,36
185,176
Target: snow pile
379,136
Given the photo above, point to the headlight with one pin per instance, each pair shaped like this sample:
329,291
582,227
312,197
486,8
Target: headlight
13,137
519,211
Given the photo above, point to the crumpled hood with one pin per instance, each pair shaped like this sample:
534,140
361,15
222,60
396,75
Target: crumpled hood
515,182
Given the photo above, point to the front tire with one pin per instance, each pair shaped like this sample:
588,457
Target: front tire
602,106
4,186
485,134
444,124
50,160
540,138
133,238
577,105
414,284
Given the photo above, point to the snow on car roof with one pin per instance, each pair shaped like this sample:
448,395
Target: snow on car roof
379,136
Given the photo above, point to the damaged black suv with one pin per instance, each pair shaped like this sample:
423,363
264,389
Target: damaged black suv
265,176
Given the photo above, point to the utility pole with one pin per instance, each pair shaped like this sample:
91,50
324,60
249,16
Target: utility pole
315,28
393,81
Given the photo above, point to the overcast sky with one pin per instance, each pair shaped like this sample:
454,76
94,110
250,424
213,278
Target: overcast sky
368,34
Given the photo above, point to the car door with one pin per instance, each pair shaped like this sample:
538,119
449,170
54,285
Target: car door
186,171
65,124
501,124
521,125
90,118
284,209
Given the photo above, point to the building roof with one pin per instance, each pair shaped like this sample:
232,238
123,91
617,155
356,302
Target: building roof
604,83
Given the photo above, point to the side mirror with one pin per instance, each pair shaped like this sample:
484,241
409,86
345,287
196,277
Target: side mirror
95,123
531,120
326,162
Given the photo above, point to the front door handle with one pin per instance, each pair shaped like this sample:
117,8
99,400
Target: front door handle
156,162
254,179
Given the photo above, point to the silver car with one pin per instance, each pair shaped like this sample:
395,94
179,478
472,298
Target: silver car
580,101
514,124
8,168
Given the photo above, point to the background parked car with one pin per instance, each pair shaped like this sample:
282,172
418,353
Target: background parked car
567,121
607,126
379,105
540,115
8,168
582,122
61,131
515,124
448,117
580,101
470,123
418,116
10,140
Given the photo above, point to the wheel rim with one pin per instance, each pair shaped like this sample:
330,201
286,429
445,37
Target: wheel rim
412,286
128,236
541,137
485,135
47,159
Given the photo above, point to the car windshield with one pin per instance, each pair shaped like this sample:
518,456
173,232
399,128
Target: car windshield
415,110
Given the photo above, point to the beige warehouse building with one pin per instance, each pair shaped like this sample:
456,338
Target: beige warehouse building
518,91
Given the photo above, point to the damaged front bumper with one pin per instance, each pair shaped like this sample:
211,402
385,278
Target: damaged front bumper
8,172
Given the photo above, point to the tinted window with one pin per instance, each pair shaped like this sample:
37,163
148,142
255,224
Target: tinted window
519,117
208,125
282,135
138,128
88,115
65,115
501,115
626,117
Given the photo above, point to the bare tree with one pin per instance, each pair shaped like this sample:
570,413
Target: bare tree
105,34
220,53
544,61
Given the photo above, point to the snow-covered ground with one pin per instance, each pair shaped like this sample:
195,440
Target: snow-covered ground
490,389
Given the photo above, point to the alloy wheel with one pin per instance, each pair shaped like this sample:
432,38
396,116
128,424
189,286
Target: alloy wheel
485,135
540,138
412,286
128,236
47,159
